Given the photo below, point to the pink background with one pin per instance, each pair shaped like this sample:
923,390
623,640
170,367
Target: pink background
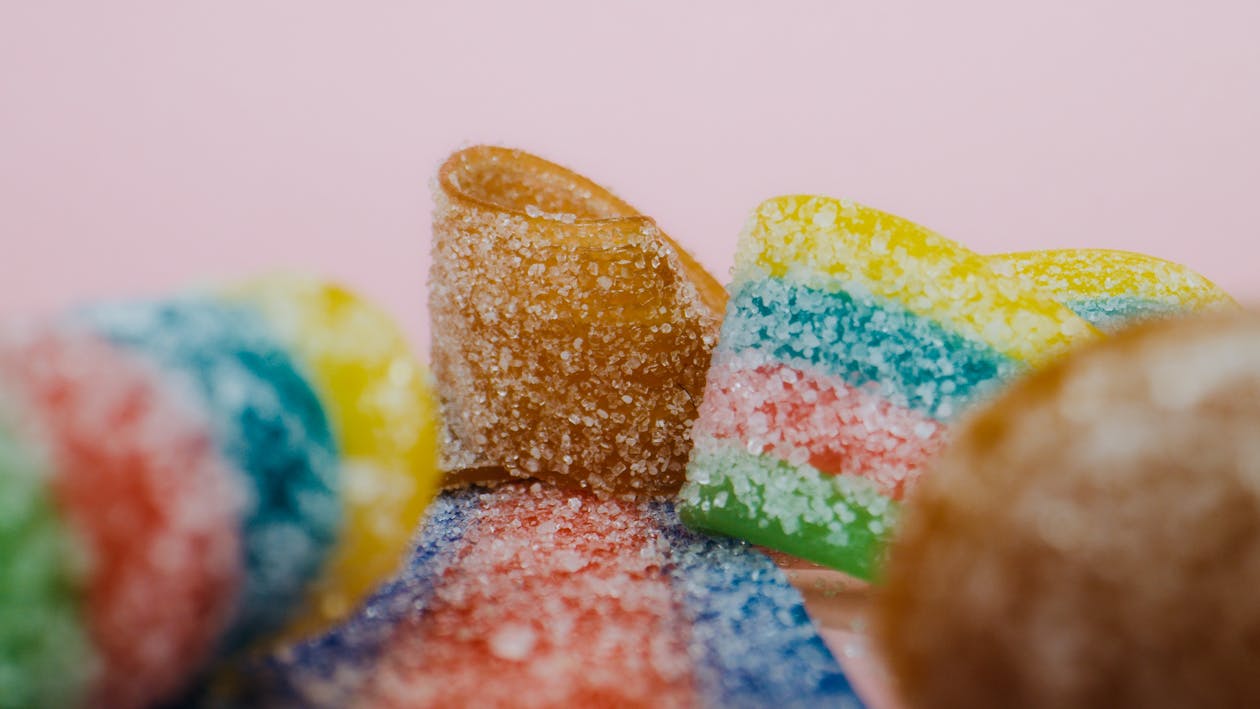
144,146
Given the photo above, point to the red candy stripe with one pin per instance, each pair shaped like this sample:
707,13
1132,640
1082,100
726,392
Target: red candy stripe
154,507
808,417
556,599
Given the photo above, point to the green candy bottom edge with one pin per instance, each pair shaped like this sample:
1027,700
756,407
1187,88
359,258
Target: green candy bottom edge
839,521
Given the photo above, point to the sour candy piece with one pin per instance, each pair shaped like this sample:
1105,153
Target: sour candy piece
266,420
571,336
1091,539
187,478
852,339
1114,289
529,595
46,657
384,416
132,528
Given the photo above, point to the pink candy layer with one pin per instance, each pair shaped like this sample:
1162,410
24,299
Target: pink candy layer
803,416
556,599
154,509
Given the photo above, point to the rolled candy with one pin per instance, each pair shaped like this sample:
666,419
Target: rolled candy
210,459
852,341
533,596
1092,537
575,334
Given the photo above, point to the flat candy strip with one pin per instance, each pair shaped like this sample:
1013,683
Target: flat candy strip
730,595
563,599
329,670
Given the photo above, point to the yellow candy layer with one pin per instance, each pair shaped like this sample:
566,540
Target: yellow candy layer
835,244
1099,273
384,413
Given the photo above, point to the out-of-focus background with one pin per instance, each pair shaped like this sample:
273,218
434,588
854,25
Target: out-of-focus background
148,145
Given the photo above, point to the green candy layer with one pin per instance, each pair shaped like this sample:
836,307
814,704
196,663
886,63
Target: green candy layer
839,521
46,659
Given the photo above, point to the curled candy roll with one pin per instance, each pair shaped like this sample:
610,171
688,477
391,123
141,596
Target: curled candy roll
571,336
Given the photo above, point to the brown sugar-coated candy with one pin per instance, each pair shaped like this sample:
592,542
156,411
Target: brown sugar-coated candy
571,337
1092,539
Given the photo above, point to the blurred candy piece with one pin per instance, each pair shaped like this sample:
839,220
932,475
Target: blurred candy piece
266,420
150,508
1092,538
851,341
46,658
532,596
571,336
174,489
1114,289
384,416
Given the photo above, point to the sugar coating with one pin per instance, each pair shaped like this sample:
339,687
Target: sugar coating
838,520
46,658
558,601
329,670
383,411
1090,539
851,340
803,415
266,421
752,643
835,244
152,509
1114,289
571,334
535,596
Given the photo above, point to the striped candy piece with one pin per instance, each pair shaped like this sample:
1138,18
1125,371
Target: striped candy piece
853,339
532,596
195,475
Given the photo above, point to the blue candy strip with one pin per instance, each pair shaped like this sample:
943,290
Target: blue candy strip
328,670
753,644
1112,313
923,366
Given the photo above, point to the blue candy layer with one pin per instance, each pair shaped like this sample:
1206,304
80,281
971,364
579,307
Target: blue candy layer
1112,313
267,421
327,670
914,361
752,642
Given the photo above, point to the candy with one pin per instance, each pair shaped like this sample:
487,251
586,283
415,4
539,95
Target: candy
1091,538
852,339
136,487
197,474
532,596
571,334
1114,289
384,415
266,420
45,655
